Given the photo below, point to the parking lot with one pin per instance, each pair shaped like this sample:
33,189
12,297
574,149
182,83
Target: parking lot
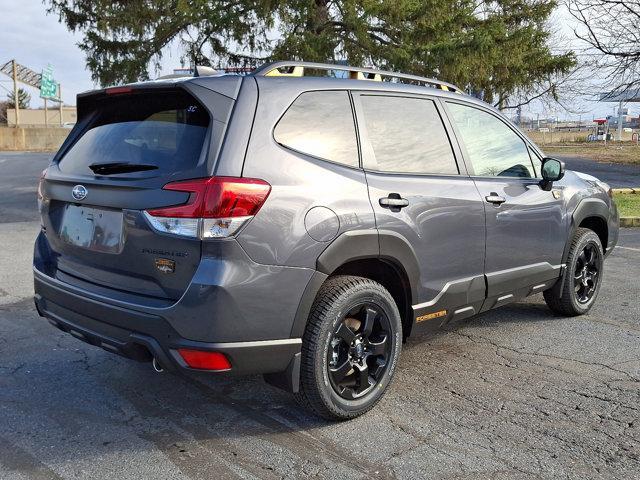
515,393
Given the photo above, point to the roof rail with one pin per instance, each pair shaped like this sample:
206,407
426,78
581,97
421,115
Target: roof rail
296,69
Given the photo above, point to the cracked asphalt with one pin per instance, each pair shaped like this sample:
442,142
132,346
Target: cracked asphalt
516,393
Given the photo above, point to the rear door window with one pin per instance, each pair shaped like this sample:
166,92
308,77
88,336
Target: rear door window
320,124
165,130
406,135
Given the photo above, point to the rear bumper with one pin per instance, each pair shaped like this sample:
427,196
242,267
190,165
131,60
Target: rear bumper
143,336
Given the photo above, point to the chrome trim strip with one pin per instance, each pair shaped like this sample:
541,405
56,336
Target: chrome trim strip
462,310
258,343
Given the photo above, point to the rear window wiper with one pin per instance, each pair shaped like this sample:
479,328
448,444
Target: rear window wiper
120,167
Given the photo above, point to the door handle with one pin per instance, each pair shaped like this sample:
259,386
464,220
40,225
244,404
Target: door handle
393,202
494,198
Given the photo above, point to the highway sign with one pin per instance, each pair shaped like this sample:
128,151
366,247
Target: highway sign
48,86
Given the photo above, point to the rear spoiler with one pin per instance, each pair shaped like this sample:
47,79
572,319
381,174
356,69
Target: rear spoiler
227,85
87,101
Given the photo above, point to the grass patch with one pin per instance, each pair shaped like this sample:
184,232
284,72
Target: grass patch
628,153
628,204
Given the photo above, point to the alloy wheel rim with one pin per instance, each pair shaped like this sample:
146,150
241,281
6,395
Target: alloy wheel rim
586,273
359,351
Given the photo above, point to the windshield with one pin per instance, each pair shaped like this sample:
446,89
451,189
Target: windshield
163,129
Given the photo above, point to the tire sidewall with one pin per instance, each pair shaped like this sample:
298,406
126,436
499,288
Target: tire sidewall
334,316
589,238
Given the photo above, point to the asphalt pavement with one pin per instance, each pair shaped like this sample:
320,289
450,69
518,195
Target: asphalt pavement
617,175
516,393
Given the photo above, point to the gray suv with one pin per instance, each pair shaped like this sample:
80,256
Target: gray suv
302,222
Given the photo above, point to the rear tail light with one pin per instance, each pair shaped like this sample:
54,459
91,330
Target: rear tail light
202,360
217,207
41,184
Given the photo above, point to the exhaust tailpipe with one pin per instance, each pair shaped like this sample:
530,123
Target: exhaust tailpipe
156,365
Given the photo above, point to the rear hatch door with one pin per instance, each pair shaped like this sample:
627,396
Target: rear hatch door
127,146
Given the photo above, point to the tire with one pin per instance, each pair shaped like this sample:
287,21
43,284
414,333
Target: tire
573,300
336,341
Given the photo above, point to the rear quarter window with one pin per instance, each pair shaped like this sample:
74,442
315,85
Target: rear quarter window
320,124
164,129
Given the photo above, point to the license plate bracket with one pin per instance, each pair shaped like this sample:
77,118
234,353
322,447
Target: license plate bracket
92,228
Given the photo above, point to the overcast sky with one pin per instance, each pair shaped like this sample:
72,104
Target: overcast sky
34,39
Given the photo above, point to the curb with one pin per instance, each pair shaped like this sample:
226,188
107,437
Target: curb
630,221
626,190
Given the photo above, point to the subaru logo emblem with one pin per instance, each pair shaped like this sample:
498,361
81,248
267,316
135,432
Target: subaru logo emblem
79,192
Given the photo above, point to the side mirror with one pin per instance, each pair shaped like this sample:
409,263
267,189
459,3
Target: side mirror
552,171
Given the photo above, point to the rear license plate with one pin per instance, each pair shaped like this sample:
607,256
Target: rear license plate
92,228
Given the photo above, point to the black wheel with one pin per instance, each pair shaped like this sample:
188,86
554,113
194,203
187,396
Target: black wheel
350,347
582,278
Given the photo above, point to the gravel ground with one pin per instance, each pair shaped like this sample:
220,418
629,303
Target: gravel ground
514,393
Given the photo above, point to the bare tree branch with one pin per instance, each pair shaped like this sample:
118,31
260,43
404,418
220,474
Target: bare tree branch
611,29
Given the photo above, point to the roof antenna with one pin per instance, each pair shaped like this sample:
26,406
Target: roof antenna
202,71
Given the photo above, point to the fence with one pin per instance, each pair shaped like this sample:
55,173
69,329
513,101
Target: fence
556,136
36,118
35,139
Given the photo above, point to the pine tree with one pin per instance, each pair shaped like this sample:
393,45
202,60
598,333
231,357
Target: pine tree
23,99
494,49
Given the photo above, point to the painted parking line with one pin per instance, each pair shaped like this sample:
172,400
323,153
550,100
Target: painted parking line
629,248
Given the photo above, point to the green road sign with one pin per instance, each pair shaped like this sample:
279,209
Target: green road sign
48,86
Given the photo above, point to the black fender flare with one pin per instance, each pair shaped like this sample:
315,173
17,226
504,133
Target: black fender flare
397,249
358,245
587,207
372,243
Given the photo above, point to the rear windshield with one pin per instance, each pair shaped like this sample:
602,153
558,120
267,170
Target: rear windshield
162,129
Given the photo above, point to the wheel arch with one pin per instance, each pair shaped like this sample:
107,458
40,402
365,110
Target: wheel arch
592,213
391,276
382,256
599,226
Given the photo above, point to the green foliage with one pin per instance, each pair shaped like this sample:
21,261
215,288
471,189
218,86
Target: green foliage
495,49
24,98
628,204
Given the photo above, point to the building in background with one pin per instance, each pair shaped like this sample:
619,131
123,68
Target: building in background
628,120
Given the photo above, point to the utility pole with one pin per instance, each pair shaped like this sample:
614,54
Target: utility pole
60,99
620,121
16,103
